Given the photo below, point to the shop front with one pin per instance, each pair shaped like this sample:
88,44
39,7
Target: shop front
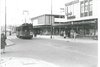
73,29
85,28
42,29
78,29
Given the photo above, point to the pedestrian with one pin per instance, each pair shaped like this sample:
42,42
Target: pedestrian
64,34
3,43
74,34
35,34
10,33
68,34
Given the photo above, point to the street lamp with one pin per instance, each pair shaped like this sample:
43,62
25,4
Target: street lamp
5,19
51,20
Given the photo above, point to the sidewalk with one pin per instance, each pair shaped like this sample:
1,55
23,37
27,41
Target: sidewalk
13,36
68,39
9,41
24,62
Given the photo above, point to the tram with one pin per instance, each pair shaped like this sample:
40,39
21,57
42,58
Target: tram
25,31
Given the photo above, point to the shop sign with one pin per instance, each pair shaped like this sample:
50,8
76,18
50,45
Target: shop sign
70,17
83,22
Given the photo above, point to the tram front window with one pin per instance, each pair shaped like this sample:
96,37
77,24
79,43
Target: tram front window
25,28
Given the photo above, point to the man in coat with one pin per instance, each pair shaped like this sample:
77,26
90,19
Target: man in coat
3,42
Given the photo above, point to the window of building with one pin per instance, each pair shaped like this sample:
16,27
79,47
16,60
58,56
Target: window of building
86,6
90,7
82,9
59,16
66,10
86,9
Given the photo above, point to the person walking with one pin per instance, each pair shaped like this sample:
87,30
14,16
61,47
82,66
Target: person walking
3,43
68,34
74,35
64,34
35,33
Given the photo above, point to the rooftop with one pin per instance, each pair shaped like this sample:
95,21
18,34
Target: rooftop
56,16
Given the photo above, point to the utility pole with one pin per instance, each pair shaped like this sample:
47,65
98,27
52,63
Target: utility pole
5,20
25,13
51,20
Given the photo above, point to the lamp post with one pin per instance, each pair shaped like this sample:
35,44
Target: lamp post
51,20
5,20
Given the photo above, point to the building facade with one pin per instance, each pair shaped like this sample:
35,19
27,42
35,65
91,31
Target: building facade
45,24
80,21
83,18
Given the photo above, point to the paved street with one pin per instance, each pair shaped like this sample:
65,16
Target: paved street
58,52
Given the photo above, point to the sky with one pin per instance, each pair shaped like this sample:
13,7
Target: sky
35,8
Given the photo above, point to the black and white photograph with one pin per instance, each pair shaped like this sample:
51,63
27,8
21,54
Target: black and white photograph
49,33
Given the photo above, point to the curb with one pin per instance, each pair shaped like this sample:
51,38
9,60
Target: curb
70,40
9,42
